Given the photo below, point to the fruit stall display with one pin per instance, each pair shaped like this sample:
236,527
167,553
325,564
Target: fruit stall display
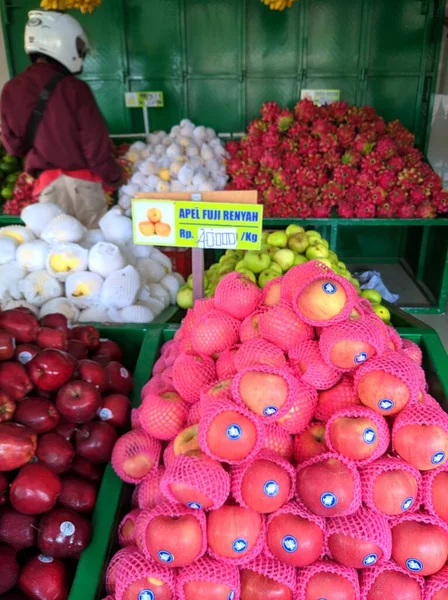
286,446
53,264
64,398
10,174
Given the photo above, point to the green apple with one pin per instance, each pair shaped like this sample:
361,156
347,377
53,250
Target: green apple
264,236
298,242
247,273
235,254
266,276
333,257
228,262
327,262
189,282
315,240
257,261
382,312
225,270
313,233
372,296
345,274
184,297
279,239
342,265
292,229
356,283
241,264
275,267
299,259
316,251
284,258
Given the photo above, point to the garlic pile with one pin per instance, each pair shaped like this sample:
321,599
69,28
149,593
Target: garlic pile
188,159
53,264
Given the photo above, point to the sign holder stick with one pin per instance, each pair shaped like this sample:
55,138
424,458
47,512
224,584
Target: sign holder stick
146,121
197,263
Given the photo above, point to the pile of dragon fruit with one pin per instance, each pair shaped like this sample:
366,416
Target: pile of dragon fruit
316,161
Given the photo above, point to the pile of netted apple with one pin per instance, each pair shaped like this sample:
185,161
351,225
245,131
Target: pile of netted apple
280,251
285,447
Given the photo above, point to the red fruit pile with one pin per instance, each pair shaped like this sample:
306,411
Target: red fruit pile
306,161
23,195
59,416
289,471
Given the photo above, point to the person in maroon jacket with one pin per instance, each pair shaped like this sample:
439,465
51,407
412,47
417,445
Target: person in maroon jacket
51,117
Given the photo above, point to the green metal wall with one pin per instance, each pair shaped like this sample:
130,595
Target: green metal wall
218,60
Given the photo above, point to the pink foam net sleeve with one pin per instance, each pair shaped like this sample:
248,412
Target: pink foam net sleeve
191,374
369,576
132,444
237,295
135,567
281,326
209,570
273,569
325,566
307,362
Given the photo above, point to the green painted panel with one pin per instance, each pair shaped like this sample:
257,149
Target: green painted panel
333,35
283,91
159,118
397,34
208,97
110,98
394,98
213,37
273,41
153,37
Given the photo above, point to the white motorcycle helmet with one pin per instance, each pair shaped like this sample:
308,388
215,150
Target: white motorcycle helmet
57,35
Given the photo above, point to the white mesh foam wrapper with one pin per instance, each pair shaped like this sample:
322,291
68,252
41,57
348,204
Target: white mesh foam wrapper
63,228
32,256
116,228
8,247
105,258
11,275
163,259
12,304
37,216
151,271
39,287
60,305
179,278
97,314
171,285
120,289
84,288
136,314
19,233
158,291
65,259
139,250
92,237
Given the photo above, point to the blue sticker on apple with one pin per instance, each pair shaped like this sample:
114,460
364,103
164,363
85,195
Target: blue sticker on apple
328,499
146,595
194,505
329,288
289,544
271,488
231,595
414,565
407,503
361,358
268,411
239,545
165,556
438,457
386,404
234,432
370,560
369,435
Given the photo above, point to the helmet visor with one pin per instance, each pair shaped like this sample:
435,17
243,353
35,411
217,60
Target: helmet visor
81,48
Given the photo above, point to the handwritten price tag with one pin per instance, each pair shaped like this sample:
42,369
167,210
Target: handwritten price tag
217,237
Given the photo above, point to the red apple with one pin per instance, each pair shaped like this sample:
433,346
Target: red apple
39,414
116,410
44,578
77,493
148,586
92,372
25,352
394,492
7,345
16,529
21,325
439,494
174,541
55,321
108,351
354,437
420,548
396,585
263,393
9,568
51,338
77,349
7,407
294,540
383,393
329,586
347,354
66,429
326,488
425,447
310,443
95,441
186,441
255,586
441,594
63,534
85,468
265,486
14,380
87,334
163,415
233,531
231,436
207,590
4,488
119,380
35,490
55,452
17,446
50,369
78,401
353,551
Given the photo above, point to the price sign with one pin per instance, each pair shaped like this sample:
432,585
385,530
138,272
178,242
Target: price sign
191,224
144,99
321,97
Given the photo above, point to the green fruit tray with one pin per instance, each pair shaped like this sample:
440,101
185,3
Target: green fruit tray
114,496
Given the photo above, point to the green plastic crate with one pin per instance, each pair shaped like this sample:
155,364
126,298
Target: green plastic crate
114,497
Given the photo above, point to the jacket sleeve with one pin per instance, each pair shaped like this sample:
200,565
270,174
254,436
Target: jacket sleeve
94,137
11,140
